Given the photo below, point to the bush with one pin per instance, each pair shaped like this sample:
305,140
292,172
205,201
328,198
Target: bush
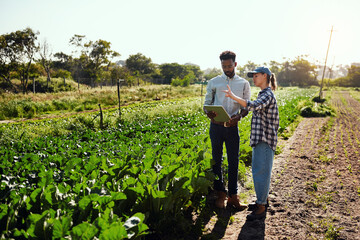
10,109
176,82
318,99
321,111
306,112
29,109
55,85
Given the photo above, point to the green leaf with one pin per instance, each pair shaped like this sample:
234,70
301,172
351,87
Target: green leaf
118,196
61,228
48,196
84,202
34,194
201,184
3,210
167,175
114,232
20,233
84,230
36,228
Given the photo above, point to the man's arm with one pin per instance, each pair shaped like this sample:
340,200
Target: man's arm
209,100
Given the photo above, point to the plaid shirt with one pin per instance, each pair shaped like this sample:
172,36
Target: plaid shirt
265,118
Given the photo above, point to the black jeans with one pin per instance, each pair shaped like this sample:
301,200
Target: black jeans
230,135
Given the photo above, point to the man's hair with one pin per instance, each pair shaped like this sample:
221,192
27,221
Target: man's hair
227,55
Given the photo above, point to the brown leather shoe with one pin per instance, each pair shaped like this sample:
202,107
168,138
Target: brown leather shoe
220,201
254,206
257,214
234,201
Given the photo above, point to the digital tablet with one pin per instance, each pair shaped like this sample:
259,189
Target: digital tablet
222,115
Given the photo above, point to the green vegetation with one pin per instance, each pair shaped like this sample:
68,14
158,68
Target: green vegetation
13,106
317,108
143,174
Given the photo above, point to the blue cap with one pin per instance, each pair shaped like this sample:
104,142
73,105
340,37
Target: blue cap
259,70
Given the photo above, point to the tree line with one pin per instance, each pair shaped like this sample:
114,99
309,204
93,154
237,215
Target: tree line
23,57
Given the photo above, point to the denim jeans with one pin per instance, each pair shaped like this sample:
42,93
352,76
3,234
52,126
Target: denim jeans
262,162
230,135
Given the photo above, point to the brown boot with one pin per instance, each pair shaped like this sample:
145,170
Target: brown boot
234,201
257,214
220,201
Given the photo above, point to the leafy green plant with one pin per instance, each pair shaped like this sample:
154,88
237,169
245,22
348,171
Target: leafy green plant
66,177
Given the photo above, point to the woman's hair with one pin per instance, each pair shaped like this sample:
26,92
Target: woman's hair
272,80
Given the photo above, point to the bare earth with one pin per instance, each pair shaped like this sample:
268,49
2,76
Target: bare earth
315,189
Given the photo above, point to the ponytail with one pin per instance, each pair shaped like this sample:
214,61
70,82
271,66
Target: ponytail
272,81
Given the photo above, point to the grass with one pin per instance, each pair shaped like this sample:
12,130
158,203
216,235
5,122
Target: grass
19,106
355,93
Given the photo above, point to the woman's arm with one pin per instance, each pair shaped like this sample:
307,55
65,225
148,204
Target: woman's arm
230,94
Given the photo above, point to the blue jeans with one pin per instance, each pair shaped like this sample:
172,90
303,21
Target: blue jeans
230,135
262,162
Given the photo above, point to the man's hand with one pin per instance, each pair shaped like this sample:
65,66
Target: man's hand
244,113
211,114
233,120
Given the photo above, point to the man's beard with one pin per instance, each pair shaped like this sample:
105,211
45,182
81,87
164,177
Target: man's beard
230,74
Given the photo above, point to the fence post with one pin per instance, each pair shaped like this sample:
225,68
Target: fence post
118,90
101,118
64,82
34,85
202,84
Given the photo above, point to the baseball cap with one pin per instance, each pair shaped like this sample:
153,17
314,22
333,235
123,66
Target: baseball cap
259,70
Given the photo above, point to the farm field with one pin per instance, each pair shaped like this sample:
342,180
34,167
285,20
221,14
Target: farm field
15,107
315,190
147,174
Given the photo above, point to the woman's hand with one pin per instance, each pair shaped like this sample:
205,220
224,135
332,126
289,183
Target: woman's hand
229,93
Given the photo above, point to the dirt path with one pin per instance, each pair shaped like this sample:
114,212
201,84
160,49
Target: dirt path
315,191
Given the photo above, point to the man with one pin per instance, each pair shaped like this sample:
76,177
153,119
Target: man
227,132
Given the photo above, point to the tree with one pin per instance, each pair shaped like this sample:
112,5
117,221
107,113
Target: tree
118,72
93,56
63,66
9,57
275,67
304,73
17,54
46,60
140,64
195,69
211,73
299,72
173,70
100,54
64,61
28,50
352,79
243,70
283,77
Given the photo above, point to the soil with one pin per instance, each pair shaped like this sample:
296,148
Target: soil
315,188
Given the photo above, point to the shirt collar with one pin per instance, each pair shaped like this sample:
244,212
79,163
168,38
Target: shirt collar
265,90
227,78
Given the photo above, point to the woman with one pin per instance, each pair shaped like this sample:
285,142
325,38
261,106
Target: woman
263,139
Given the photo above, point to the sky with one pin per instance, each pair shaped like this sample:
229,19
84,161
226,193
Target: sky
197,31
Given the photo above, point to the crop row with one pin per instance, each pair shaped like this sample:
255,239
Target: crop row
141,175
